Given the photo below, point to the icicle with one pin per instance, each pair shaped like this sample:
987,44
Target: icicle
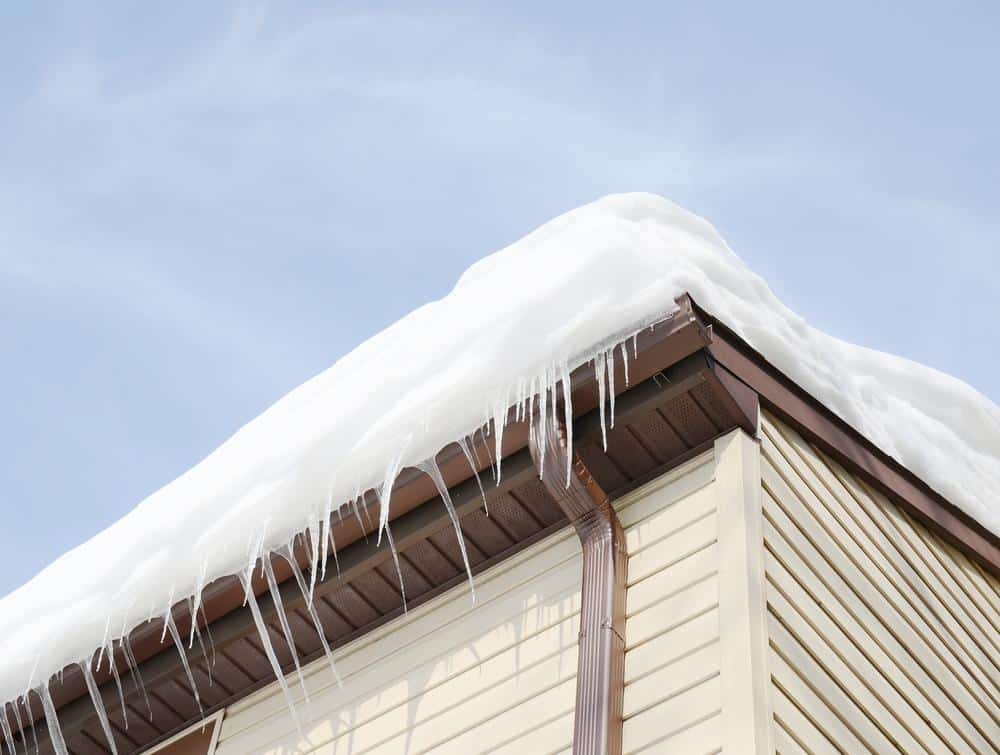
170,604
265,641
611,385
95,696
600,368
118,681
328,524
184,660
483,432
52,721
392,468
301,581
624,348
463,443
199,588
568,416
635,345
8,735
137,679
471,440
104,642
211,640
272,585
430,468
543,404
395,560
314,538
357,515
197,633
499,423
254,551
531,415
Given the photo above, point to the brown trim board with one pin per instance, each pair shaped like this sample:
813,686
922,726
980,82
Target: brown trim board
782,396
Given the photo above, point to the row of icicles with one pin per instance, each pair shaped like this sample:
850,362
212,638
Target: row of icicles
532,397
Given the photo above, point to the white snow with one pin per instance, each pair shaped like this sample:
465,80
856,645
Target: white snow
515,322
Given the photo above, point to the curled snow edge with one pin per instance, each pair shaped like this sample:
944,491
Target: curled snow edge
515,324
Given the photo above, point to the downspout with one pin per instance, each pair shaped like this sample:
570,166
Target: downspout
600,681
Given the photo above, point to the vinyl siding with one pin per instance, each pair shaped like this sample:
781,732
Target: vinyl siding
882,637
451,677
500,676
672,659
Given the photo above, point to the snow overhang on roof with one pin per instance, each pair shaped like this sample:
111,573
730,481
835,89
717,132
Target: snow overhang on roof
578,293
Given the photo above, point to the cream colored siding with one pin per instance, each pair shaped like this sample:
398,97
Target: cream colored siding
672,694
449,677
883,638
500,676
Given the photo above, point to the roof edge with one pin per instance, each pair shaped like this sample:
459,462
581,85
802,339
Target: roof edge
820,425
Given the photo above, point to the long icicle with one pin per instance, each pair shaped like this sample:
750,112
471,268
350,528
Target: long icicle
118,682
568,417
104,643
430,468
265,641
499,424
211,640
136,673
95,697
314,536
172,627
392,468
624,348
611,385
199,588
333,548
301,581
463,443
201,644
395,561
543,413
357,515
326,531
52,721
272,585
600,368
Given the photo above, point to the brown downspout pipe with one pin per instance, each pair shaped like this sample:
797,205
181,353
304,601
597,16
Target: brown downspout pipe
600,681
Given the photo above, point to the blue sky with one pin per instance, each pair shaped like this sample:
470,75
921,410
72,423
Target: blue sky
204,204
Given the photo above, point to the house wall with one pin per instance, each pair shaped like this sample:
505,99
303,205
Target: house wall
449,676
500,676
882,637
774,603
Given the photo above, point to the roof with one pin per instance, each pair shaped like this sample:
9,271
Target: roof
589,284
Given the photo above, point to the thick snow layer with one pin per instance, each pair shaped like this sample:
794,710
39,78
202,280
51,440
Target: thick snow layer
544,305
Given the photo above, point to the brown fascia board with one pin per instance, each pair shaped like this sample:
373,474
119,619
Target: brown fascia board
810,418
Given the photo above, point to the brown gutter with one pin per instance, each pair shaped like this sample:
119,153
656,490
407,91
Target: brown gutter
600,681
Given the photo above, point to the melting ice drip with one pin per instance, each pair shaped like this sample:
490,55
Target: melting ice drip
537,396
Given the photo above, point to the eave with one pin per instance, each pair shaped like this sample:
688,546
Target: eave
691,381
